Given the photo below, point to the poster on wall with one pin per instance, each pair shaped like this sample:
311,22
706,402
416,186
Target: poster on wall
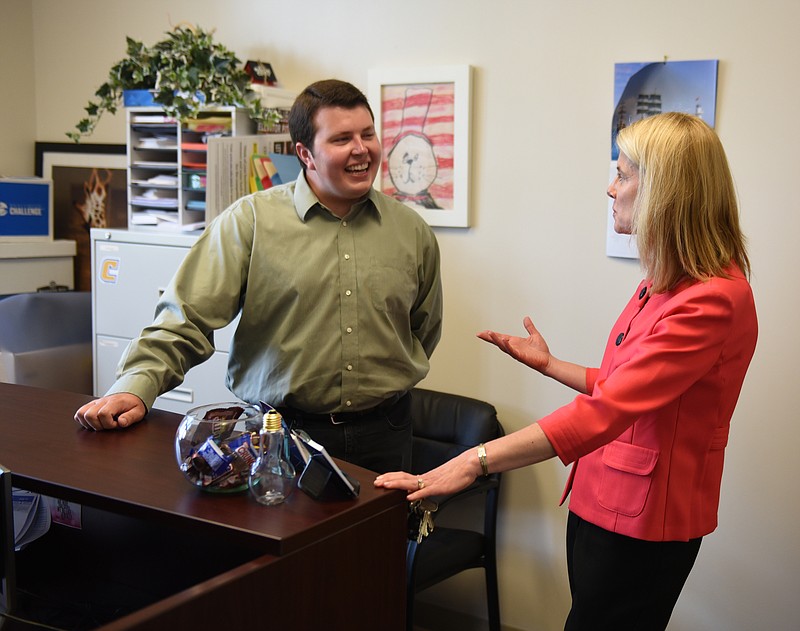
646,88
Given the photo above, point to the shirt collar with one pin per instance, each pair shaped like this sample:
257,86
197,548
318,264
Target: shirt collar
305,200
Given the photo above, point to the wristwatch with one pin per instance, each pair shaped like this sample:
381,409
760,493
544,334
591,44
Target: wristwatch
482,459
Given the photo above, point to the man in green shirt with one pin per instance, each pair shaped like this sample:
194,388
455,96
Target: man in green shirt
338,287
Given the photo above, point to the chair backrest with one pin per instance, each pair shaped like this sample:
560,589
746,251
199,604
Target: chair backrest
34,321
447,424
46,340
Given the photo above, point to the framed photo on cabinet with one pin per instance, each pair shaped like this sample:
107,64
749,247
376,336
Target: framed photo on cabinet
422,117
90,190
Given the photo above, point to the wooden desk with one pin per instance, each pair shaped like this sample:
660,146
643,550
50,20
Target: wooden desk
332,565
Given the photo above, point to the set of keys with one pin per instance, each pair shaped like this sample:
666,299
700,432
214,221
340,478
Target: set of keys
420,518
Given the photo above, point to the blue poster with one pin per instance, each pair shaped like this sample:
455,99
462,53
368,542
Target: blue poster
642,89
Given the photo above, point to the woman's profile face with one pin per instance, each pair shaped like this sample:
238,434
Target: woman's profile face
623,191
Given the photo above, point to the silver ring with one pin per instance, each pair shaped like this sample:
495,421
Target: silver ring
420,484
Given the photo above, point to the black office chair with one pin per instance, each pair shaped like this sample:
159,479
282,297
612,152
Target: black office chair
444,426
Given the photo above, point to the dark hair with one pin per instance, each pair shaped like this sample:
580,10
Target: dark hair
326,93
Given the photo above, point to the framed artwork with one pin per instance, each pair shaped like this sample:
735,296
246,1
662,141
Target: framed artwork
90,183
422,117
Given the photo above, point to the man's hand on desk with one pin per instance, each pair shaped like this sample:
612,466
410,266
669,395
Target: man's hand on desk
111,412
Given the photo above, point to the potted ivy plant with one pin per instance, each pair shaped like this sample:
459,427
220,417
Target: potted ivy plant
184,72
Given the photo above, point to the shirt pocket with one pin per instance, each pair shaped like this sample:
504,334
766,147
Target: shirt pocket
392,289
626,478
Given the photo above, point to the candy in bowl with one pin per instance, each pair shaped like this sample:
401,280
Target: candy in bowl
216,444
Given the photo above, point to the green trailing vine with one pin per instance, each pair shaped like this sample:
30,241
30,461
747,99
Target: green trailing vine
185,72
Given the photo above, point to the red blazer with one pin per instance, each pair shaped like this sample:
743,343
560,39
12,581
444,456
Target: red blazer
649,440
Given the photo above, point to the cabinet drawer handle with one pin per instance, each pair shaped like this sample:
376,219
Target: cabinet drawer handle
185,395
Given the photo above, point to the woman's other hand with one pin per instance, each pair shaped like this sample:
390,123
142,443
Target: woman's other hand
531,351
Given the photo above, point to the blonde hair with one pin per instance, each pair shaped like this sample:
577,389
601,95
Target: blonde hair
686,217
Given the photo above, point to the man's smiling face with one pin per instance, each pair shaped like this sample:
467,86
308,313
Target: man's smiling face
345,158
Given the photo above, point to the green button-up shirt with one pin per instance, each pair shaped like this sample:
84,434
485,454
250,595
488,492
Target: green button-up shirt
336,314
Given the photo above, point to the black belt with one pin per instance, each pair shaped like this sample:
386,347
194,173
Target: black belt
337,418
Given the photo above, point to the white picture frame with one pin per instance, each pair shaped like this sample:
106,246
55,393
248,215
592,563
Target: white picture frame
423,119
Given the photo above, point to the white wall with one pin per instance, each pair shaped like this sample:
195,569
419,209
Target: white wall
17,106
542,108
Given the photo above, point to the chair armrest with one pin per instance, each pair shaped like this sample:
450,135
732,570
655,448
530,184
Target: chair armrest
478,487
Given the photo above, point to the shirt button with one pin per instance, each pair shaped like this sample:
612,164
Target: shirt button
348,292
349,329
346,257
620,337
349,366
348,403
344,224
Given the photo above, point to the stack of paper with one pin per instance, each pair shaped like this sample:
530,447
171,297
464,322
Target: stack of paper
31,517
152,199
158,142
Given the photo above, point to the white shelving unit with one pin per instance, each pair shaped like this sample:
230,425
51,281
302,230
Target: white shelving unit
167,164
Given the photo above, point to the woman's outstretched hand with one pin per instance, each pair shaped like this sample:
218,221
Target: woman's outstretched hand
531,351
449,478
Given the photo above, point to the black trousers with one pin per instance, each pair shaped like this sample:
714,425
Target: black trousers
619,583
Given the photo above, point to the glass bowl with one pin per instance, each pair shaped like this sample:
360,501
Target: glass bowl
216,443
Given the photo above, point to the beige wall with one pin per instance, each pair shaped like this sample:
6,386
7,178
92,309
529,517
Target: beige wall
542,107
17,104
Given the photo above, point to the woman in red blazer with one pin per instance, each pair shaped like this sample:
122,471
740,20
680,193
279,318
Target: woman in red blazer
648,430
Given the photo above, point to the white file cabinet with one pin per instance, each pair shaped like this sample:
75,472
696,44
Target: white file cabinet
129,272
